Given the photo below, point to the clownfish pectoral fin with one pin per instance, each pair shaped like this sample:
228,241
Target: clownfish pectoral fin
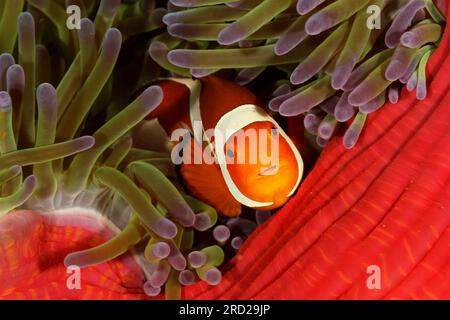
205,182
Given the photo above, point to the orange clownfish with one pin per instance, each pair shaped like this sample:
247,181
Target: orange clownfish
255,163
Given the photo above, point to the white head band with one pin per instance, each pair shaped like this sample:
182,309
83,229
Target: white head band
232,122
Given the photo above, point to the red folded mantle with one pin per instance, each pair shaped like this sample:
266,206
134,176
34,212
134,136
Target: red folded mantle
385,203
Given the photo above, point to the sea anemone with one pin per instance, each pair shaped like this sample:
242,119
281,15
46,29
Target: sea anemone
341,60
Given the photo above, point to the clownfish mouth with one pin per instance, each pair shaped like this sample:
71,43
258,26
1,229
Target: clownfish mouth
272,170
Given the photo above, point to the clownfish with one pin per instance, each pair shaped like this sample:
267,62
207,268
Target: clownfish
231,112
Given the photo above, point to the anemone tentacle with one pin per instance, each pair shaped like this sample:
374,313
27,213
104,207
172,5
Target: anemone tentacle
350,45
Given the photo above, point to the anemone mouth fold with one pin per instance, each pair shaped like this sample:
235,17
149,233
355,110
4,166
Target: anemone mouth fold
41,240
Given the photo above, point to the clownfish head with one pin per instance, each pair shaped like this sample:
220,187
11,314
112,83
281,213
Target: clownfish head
261,166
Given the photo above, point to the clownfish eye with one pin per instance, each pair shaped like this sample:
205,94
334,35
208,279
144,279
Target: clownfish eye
275,132
230,153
